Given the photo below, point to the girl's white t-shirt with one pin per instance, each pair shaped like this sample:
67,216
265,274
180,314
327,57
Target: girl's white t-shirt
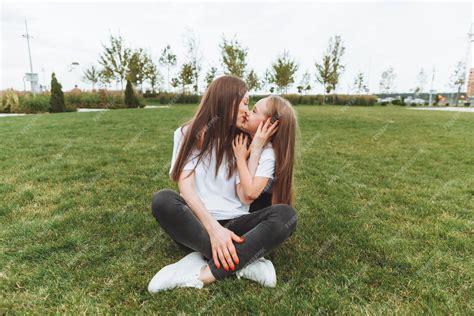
219,194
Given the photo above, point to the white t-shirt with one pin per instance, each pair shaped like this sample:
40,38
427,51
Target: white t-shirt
218,194
266,166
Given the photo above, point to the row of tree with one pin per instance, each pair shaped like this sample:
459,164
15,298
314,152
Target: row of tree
119,63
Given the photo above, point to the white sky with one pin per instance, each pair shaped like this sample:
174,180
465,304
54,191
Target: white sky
407,36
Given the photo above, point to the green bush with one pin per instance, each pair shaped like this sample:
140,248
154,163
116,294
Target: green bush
116,101
317,99
73,98
82,99
101,99
172,98
89,99
35,104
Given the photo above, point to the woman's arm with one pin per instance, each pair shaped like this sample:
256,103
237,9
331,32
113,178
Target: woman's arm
223,249
187,190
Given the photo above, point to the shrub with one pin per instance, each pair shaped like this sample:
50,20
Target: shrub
90,99
172,98
80,99
74,97
35,104
317,99
131,99
10,101
57,96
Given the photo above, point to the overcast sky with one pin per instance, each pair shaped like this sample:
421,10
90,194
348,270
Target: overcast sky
406,36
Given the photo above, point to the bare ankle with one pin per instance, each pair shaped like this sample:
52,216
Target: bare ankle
206,275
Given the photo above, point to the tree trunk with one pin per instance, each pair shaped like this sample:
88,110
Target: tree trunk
168,79
196,88
457,95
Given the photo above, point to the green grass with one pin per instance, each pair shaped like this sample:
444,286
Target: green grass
384,199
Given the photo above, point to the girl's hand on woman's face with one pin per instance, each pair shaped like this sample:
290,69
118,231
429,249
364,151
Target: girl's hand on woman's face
239,145
263,134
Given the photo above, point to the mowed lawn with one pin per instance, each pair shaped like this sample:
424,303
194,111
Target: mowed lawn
384,202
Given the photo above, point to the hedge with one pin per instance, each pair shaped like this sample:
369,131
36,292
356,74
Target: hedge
295,99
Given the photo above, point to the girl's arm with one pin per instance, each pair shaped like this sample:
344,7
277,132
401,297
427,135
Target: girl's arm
250,187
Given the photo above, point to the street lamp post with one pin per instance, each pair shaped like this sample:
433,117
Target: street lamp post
31,77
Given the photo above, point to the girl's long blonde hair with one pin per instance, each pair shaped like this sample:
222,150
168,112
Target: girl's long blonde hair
284,143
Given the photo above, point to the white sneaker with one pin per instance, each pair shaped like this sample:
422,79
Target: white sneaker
184,273
261,271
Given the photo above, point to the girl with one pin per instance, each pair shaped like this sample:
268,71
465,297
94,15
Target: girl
268,180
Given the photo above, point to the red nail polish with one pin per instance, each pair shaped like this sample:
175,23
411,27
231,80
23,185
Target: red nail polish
226,268
233,268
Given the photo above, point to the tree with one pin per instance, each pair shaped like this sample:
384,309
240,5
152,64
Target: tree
151,72
282,72
91,75
56,100
130,98
329,70
458,79
175,82
233,57
168,59
105,78
115,59
420,82
141,68
359,84
386,84
210,75
253,82
323,74
194,57
305,83
267,81
185,77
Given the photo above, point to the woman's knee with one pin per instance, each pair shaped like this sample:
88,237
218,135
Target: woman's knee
161,201
286,218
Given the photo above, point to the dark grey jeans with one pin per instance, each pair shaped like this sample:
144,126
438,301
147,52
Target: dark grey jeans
263,230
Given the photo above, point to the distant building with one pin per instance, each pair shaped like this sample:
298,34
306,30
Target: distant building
470,84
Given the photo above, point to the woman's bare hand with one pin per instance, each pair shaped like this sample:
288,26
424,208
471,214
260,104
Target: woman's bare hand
263,134
223,249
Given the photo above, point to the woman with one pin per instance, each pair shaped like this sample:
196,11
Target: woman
207,216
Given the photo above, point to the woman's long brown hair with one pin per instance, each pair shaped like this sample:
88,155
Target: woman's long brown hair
213,126
284,142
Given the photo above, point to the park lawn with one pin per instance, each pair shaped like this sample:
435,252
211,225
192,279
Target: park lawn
384,203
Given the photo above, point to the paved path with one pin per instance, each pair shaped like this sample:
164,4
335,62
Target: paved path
11,114
449,109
